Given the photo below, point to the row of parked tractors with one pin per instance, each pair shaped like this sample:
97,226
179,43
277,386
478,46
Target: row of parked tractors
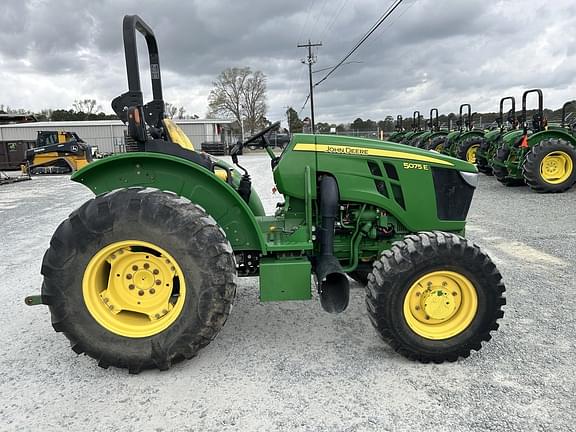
515,150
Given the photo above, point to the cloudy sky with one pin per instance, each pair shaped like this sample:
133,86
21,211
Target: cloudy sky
429,53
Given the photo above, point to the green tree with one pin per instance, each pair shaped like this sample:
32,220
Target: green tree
294,122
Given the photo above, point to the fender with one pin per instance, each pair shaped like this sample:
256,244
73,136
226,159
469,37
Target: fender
551,133
184,178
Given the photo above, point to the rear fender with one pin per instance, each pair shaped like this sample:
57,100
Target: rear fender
184,178
551,134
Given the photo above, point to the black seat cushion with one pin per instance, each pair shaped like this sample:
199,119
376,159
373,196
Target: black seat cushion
161,146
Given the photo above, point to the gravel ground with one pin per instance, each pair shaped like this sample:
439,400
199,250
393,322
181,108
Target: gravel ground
291,366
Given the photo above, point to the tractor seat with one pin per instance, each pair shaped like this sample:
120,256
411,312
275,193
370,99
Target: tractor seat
165,147
162,146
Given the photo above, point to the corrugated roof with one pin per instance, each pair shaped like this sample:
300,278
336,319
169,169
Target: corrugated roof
68,124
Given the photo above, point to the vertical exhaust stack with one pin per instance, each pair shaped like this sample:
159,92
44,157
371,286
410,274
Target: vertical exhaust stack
333,283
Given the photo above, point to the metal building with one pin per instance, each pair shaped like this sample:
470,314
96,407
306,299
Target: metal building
108,135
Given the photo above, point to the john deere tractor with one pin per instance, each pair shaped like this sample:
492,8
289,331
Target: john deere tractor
145,274
438,142
543,157
399,130
416,130
435,131
464,142
493,138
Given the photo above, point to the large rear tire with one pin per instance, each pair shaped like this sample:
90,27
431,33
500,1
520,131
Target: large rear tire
501,172
550,166
434,297
138,279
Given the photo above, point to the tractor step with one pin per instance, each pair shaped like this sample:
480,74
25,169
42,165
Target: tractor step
34,300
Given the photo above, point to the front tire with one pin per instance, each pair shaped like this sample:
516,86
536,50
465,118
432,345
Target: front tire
482,162
501,172
467,149
437,144
434,297
550,166
138,279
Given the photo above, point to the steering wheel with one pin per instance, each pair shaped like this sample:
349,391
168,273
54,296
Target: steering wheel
261,133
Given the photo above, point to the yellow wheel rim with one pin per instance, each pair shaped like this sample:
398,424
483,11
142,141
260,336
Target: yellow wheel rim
440,305
134,288
556,167
471,153
439,148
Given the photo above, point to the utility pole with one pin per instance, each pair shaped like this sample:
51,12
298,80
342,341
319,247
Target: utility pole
310,61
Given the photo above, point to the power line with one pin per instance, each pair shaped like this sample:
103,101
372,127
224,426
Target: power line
362,40
329,67
331,22
304,104
391,23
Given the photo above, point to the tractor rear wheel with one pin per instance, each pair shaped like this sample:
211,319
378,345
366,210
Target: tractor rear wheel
434,297
467,149
501,172
437,144
550,166
482,161
138,279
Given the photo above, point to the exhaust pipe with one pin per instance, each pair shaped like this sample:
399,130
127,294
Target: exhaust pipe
333,285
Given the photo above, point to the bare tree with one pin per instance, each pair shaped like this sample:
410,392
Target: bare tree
88,106
254,98
239,94
174,111
170,110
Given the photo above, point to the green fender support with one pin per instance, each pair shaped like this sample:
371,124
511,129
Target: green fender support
184,178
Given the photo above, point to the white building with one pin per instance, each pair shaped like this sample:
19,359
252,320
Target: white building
108,135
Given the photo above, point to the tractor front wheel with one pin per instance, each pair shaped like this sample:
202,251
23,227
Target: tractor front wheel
138,279
550,166
481,160
437,144
467,149
434,297
501,172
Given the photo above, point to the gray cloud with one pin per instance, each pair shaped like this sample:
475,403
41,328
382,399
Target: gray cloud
431,52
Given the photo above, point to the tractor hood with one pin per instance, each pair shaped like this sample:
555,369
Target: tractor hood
354,147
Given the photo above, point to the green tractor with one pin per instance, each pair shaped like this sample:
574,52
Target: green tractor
464,142
433,133
542,156
438,142
399,130
493,138
145,274
416,131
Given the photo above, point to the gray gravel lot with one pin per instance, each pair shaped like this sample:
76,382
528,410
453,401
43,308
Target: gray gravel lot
291,366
